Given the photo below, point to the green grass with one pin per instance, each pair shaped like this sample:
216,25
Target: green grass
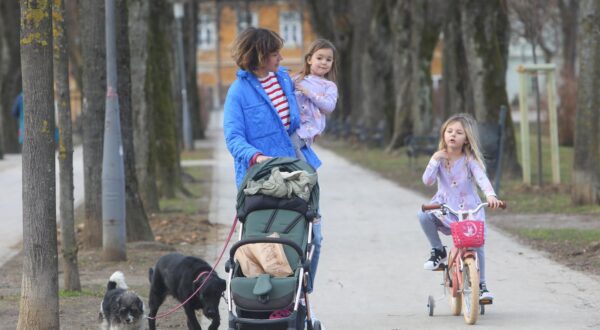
200,174
82,293
196,154
571,235
565,158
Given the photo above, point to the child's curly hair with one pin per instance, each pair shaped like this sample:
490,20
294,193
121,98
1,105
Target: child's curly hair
252,47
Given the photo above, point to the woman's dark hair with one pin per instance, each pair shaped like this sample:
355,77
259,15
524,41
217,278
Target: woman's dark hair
252,47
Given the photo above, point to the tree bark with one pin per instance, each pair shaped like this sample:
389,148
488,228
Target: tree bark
334,20
586,166
567,91
65,149
161,103
484,28
94,85
415,30
73,39
377,83
190,36
39,288
138,227
143,123
10,75
457,89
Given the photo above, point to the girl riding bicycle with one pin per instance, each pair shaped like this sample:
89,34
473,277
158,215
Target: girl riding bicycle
456,167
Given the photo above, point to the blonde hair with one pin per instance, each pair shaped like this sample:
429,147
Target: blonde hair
469,124
312,49
253,46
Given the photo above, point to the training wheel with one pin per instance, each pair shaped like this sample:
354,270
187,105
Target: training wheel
317,325
430,305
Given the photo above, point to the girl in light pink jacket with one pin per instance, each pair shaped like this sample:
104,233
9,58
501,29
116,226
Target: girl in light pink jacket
316,93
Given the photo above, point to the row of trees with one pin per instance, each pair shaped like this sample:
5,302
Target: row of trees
386,48
52,35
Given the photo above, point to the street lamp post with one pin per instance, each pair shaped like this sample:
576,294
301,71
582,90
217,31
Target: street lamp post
188,142
113,175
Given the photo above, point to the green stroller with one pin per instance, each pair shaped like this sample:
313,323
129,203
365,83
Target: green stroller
253,299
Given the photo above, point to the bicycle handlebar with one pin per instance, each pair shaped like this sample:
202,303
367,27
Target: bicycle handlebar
430,207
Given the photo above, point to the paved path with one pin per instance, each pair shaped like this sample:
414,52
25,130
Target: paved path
370,274
11,200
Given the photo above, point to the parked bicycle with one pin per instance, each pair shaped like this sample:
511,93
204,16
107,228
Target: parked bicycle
461,274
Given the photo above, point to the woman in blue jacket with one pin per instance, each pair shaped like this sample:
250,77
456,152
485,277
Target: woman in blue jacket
261,111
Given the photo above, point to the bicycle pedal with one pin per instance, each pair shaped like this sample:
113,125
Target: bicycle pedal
486,301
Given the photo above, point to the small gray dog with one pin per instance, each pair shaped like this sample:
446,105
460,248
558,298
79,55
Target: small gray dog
121,308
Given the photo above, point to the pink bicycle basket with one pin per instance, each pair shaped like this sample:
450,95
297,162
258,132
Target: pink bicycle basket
468,233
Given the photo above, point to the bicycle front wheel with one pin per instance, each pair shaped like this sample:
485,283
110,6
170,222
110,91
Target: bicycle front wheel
470,290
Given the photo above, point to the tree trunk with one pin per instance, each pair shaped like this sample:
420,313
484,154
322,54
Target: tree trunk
377,83
161,103
39,286
65,149
586,166
333,20
415,30
10,75
73,39
485,35
138,227
93,90
143,124
190,36
567,91
457,89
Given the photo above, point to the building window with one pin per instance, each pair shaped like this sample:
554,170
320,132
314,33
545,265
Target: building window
290,27
243,23
207,32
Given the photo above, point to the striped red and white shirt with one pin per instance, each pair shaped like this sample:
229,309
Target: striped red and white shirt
275,93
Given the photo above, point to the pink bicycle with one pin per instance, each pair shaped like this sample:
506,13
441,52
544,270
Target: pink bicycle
461,275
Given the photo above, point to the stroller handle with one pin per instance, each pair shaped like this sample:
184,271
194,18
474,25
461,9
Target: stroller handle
278,240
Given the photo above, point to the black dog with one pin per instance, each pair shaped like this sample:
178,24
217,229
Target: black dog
121,308
174,274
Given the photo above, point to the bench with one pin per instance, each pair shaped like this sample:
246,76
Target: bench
420,145
491,138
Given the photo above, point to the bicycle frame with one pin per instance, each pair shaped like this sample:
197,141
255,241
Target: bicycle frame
456,259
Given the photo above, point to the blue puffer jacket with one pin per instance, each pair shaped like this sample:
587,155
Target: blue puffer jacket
251,123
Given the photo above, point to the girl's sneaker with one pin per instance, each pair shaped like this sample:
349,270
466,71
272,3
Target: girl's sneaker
438,258
485,296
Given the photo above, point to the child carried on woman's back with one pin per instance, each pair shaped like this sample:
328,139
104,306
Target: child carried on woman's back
456,167
316,93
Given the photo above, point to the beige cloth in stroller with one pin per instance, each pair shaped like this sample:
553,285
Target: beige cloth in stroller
263,258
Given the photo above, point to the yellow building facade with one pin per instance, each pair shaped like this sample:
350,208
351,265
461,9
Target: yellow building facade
221,21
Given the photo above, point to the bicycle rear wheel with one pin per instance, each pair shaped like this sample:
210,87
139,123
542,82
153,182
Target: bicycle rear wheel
470,292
